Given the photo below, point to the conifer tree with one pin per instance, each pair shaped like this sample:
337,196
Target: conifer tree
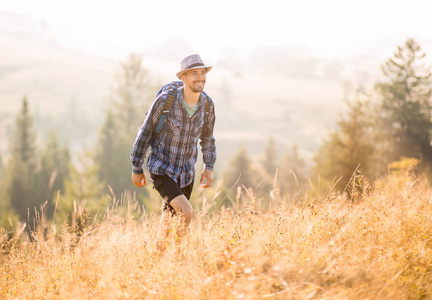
132,94
131,97
82,190
53,170
268,169
239,172
406,103
270,158
353,144
20,181
292,172
112,156
23,142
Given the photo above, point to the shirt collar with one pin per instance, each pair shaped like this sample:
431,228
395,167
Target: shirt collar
180,97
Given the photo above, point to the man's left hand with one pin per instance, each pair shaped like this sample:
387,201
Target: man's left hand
206,178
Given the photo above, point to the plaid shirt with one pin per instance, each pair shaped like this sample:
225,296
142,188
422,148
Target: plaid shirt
174,151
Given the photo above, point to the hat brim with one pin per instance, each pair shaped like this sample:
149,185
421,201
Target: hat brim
179,74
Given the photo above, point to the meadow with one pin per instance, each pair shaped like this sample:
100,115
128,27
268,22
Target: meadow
373,243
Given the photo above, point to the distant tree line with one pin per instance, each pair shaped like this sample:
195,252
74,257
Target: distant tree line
271,175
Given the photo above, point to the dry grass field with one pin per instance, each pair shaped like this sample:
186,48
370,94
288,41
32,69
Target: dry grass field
377,245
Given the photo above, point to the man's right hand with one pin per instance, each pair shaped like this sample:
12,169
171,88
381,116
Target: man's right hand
138,179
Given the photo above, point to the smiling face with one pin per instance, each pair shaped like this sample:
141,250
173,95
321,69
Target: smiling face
195,80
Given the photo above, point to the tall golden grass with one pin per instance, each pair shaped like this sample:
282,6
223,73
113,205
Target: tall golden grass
376,246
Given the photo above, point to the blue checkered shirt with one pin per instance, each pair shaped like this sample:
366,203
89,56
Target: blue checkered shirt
174,150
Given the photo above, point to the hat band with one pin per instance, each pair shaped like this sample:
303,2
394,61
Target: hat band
195,65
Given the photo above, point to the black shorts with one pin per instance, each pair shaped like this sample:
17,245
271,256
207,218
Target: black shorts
169,189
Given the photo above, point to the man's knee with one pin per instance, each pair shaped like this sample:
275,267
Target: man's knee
187,214
182,206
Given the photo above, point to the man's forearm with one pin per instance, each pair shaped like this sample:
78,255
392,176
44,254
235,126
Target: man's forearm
140,146
144,136
208,149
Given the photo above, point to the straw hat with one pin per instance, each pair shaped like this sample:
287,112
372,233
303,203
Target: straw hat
192,62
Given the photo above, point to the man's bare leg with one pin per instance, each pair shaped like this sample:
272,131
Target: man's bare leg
184,211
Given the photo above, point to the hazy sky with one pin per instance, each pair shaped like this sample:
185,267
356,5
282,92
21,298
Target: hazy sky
354,37
329,27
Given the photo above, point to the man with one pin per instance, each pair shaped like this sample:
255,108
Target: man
173,154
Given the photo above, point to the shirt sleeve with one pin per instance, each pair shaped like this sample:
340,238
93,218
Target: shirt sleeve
145,134
208,142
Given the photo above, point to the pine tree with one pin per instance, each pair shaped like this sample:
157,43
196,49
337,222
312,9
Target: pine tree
23,143
82,190
268,169
239,171
131,98
112,156
20,180
269,162
353,144
406,103
53,171
292,172
132,94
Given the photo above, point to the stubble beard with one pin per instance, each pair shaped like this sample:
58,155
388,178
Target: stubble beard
197,87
